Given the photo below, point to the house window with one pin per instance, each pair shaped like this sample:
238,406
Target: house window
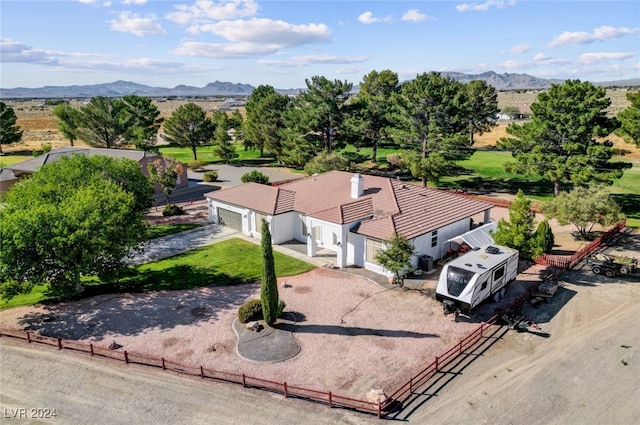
372,248
258,223
304,225
434,238
334,239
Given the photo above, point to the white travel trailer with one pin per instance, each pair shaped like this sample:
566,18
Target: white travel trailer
475,276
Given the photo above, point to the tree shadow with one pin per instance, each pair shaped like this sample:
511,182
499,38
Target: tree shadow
353,331
486,185
629,203
102,316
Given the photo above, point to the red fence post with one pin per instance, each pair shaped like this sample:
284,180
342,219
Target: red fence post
59,343
330,401
126,356
163,365
29,337
201,372
379,411
91,347
285,390
244,380
436,362
411,384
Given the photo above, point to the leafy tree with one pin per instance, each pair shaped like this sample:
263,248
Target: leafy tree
481,108
517,233
584,208
370,112
188,126
255,176
324,162
396,257
68,121
79,216
630,119
104,123
323,111
165,172
265,121
559,143
9,132
269,290
543,239
431,123
223,145
146,121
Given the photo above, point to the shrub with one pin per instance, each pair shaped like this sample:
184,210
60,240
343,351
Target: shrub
543,239
255,176
46,147
250,311
210,176
196,164
396,160
171,210
324,162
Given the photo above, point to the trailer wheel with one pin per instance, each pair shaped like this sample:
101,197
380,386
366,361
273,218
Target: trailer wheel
596,269
496,297
503,292
609,273
624,270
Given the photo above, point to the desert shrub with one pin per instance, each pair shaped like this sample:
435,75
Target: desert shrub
396,160
171,210
196,164
210,176
255,176
250,311
45,147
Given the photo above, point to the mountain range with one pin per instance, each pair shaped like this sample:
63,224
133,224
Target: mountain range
501,82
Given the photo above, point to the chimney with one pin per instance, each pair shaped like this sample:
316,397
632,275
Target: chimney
357,186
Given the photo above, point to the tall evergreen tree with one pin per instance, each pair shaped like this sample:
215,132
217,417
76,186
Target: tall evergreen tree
146,121
188,126
68,121
223,145
104,123
630,119
269,291
481,108
560,143
9,132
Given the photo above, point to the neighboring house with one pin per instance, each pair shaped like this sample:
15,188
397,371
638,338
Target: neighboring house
350,214
10,175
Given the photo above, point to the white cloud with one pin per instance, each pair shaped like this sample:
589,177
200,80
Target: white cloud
591,58
520,48
138,2
546,60
368,18
136,25
414,15
268,32
483,7
219,50
16,52
203,11
295,61
96,2
599,34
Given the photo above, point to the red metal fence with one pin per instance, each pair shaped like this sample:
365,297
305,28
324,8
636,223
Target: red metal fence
567,262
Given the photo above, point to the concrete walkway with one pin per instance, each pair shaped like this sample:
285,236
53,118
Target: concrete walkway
168,246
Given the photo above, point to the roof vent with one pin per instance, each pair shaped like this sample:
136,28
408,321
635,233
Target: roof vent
492,250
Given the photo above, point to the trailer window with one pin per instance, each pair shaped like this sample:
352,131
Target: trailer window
498,273
457,280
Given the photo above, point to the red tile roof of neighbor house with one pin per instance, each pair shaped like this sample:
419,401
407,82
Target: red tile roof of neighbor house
385,206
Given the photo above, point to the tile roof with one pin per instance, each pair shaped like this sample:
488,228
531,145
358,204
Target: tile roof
385,206
34,164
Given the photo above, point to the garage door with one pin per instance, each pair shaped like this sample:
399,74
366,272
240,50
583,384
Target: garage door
230,219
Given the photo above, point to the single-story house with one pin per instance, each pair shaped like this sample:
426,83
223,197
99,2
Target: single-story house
13,173
350,214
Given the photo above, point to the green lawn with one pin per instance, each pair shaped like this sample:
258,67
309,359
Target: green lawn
205,153
8,159
230,262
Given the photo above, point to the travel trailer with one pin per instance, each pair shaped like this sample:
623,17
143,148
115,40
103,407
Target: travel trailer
475,276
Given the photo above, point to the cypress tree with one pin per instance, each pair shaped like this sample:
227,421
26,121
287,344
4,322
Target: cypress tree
269,291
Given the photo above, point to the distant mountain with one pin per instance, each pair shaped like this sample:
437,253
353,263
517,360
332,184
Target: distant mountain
502,82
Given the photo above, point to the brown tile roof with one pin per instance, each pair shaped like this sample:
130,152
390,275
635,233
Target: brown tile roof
385,206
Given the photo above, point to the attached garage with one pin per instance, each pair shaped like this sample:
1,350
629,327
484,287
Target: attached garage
230,219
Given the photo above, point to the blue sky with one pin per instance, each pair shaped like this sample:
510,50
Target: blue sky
281,43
